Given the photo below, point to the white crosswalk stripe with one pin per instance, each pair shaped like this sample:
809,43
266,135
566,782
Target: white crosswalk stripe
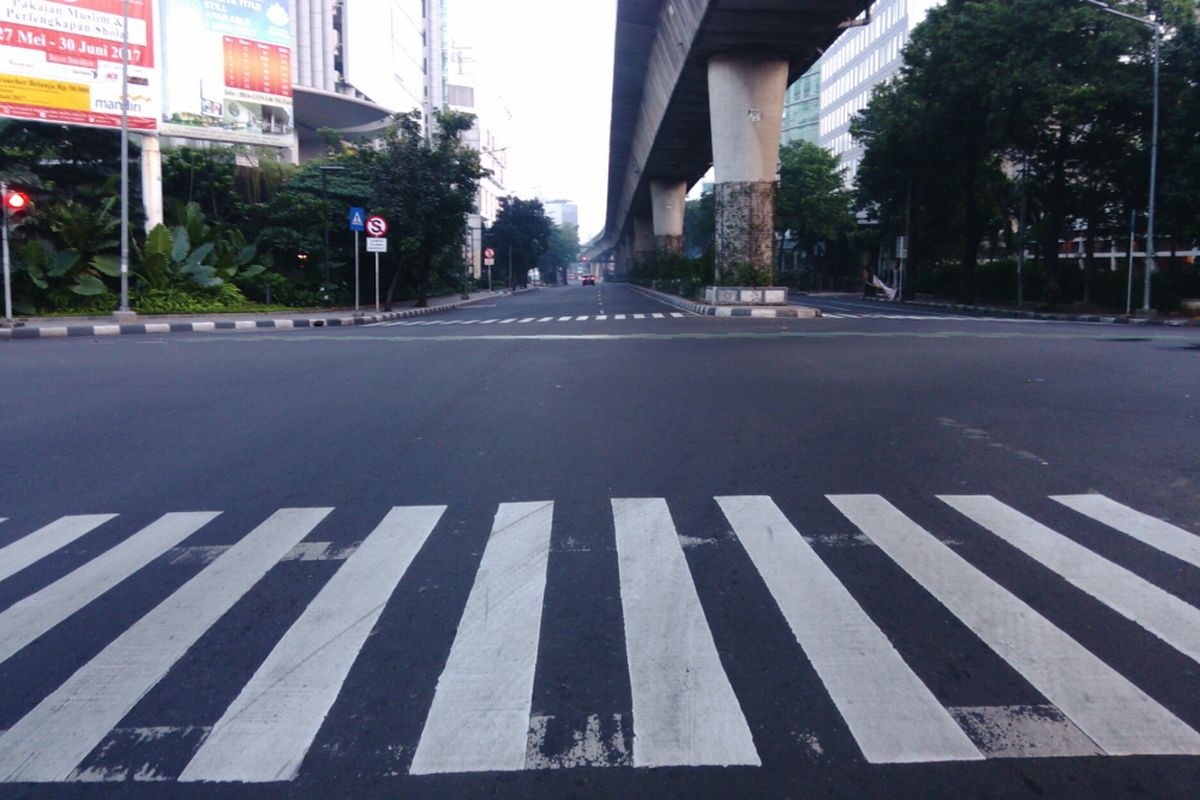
1163,614
264,735
480,715
893,717
1117,715
1146,529
28,619
44,541
686,711
529,320
49,742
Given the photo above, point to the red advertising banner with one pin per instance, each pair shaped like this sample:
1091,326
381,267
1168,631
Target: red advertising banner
60,61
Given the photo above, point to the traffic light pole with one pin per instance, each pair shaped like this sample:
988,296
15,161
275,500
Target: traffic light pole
7,274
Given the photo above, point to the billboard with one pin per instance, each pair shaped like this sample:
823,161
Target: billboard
60,61
227,72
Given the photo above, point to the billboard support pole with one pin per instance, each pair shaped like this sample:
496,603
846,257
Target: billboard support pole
124,314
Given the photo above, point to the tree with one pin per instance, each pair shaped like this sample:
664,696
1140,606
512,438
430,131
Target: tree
992,87
295,218
700,226
521,233
813,204
425,190
562,250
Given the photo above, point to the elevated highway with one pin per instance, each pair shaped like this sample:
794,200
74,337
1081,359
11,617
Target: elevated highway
700,83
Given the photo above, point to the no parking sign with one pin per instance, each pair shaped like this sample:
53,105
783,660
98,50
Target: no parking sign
376,226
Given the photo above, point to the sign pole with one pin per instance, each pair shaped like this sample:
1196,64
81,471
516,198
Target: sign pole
7,275
377,283
356,270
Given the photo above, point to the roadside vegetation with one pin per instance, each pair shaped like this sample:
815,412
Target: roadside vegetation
1001,104
242,231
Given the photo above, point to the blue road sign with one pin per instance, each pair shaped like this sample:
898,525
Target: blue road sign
358,219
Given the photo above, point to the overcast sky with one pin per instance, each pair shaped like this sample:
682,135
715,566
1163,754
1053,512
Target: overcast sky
552,62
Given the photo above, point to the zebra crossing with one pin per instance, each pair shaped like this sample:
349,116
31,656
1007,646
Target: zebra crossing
686,710
528,320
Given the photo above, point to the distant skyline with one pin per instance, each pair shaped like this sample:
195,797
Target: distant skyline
552,63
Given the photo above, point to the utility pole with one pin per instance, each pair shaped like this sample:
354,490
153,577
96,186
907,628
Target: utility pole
1150,250
1156,25
1021,235
1129,288
123,313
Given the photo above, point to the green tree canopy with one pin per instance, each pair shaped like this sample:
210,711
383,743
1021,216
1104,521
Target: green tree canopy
991,88
813,203
562,250
521,234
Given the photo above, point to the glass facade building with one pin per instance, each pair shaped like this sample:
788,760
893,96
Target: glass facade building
856,63
802,108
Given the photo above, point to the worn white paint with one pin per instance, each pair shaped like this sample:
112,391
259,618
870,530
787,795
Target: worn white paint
264,735
49,742
1117,715
29,618
479,720
44,541
892,715
1025,732
1133,597
684,710
1146,529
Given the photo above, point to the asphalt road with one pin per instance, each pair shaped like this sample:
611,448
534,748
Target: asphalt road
567,544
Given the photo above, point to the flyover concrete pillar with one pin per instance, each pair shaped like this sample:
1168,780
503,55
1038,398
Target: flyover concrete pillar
625,254
667,199
746,93
643,238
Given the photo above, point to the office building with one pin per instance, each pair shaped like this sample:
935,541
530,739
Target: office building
466,92
563,212
802,108
359,61
860,59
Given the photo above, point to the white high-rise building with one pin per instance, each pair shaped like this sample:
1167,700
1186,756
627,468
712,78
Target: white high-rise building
358,61
859,60
467,92
563,212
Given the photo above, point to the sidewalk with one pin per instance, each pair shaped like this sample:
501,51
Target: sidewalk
62,327
1015,313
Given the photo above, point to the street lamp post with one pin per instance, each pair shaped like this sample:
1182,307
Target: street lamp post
325,170
1156,26
123,312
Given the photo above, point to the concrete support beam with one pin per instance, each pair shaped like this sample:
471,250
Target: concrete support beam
746,94
667,199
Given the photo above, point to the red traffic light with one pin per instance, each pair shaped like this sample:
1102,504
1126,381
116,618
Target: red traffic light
16,202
